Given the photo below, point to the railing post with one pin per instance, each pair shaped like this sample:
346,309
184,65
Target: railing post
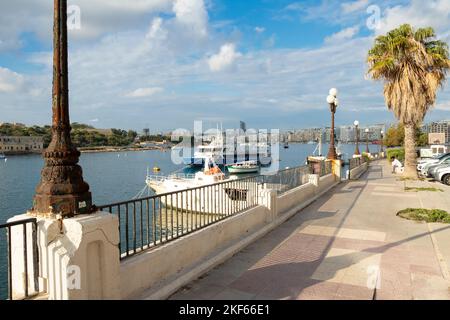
78,257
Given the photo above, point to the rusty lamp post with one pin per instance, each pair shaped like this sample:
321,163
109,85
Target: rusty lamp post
333,102
367,141
356,123
62,190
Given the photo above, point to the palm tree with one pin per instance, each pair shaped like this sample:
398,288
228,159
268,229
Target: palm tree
413,64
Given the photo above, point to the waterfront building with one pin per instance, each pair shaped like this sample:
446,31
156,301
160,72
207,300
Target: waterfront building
374,132
347,134
21,144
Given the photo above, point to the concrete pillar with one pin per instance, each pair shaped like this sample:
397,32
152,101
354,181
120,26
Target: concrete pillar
337,169
268,199
314,179
79,257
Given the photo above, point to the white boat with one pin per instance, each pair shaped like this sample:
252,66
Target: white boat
218,196
244,167
2,156
226,154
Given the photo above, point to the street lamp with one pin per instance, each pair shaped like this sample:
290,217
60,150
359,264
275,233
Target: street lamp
382,141
333,102
61,190
356,123
367,141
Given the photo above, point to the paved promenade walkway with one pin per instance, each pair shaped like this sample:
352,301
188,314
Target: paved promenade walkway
347,245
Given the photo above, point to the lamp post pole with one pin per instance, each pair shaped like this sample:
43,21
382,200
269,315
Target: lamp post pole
382,142
367,141
333,102
357,153
62,189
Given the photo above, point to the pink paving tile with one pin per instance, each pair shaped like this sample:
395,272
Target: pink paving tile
395,277
351,292
348,244
395,266
323,290
255,281
392,295
426,270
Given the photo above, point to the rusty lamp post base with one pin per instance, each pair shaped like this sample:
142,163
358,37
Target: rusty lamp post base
62,190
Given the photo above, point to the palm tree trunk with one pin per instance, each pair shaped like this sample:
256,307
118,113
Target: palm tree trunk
410,152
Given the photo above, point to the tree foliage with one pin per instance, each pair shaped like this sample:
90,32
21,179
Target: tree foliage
82,135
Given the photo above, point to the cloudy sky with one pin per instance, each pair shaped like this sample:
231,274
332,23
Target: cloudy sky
165,63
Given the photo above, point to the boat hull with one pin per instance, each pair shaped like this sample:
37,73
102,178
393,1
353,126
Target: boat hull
237,170
220,199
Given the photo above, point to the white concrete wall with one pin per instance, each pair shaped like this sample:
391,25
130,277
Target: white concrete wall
357,172
295,196
156,268
90,244
158,273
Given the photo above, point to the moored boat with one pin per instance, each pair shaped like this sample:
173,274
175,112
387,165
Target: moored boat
184,192
244,167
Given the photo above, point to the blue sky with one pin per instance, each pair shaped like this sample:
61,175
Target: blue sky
165,63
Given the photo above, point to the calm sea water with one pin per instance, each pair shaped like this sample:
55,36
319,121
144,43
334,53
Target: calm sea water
112,177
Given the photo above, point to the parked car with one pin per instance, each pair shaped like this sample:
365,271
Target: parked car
432,170
443,175
429,161
425,171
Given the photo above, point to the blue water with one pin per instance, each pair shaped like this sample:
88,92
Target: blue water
112,177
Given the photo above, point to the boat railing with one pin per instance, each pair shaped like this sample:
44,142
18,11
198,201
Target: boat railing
161,178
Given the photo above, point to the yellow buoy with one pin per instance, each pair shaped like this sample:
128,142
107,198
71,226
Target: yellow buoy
156,169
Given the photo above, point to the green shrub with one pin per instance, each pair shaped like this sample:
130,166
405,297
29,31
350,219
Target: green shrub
434,215
398,152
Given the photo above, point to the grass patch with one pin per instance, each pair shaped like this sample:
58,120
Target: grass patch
410,189
410,179
426,215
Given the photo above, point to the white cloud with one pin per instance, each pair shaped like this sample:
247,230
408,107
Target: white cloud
349,7
10,81
418,13
224,59
260,29
144,92
156,30
344,34
192,14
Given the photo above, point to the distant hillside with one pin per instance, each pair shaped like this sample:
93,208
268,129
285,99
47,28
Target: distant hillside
83,135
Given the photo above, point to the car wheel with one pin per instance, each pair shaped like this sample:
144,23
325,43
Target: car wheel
446,179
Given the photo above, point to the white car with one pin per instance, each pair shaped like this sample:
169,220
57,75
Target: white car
425,169
424,162
443,175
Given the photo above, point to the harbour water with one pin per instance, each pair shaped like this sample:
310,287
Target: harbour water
112,177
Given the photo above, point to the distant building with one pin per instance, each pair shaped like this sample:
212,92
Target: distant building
374,133
438,127
146,132
347,134
243,126
19,145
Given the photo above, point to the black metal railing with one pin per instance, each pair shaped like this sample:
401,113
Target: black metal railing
152,221
27,262
287,179
356,162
